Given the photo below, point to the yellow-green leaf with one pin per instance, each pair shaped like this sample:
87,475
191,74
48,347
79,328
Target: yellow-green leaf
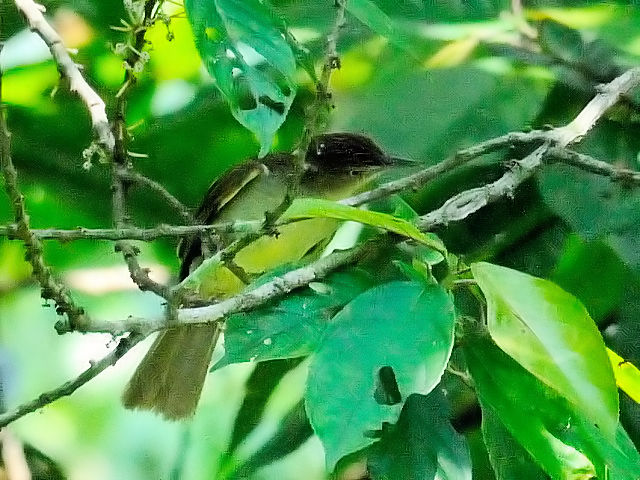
627,375
312,208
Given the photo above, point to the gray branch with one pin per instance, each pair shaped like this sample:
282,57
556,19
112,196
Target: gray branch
33,13
67,388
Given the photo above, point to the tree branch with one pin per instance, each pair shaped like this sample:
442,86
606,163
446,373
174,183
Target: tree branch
120,167
134,233
317,111
67,388
592,165
51,289
470,201
33,13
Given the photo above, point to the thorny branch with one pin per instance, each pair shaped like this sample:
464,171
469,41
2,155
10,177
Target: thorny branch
51,289
34,14
120,167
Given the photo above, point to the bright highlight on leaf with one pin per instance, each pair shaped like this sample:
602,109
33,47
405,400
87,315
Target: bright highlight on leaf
627,375
453,53
549,332
311,208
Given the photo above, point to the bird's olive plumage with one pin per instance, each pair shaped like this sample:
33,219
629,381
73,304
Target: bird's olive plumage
169,379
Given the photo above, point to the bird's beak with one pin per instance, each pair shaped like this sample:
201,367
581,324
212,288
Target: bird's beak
403,162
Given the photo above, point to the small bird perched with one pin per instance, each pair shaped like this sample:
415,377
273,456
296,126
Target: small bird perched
170,378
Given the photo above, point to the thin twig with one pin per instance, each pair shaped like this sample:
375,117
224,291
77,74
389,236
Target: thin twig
134,233
592,165
51,289
210,237
33,13
317,112
67,388
120,165
177,205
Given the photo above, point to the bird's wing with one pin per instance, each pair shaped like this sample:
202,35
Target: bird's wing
221,192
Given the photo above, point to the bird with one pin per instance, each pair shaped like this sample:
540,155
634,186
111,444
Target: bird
170,378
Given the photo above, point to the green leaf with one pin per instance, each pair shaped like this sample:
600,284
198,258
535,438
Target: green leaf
373,17
389,342
314,207
259,387
531,412
549,332
244,49
508,459
581,270
421,445
293,326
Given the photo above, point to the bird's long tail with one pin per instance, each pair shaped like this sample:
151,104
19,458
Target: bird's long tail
170,378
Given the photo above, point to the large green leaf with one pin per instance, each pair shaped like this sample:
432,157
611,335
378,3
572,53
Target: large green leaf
243,46
293,326
549,332
389,342
508,459
532,413
421,445
560,439
316,207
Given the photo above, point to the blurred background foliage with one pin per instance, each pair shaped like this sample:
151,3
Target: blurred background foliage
448,74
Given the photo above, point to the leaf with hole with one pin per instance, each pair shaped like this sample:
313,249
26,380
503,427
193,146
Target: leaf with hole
422,445
244,49
389,342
